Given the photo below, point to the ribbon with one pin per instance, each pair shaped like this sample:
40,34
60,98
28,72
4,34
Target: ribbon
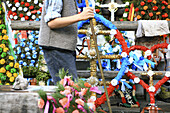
48,104
70,97
96,90
81,108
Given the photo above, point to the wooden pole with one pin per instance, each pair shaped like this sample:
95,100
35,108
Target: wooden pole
98,57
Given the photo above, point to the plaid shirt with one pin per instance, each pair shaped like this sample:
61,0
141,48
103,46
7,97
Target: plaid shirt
53,9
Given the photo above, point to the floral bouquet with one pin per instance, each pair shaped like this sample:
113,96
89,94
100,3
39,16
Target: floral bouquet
70,97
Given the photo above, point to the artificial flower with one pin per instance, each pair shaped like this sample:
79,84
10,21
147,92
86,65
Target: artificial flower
4,31
76,111
168,6
0,37
15,75
154,1
124,54
150,73
41,103
145,7
11,57
59,110
167,74
127,9
149,1
137,9
86,84
11,64
83,91
80,102
2,61
16,65
7,84
136,80
152,89
158,13
163,7
138,17
154,8
2,70
142,3
64,101
5,37
114,82
143,12
9,75
5,49
27,4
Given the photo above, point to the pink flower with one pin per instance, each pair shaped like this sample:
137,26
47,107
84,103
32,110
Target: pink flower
75,111
79,101
41,103
59,110
65,92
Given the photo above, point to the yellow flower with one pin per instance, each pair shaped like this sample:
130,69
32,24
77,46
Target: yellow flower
11,64
15,75
0,81
5,49
138,17
2,61
145,7
2,46
4,31
11,79
16,65
7,84
154,1
2,70
11,57
0,37
5,37
0,21
9,75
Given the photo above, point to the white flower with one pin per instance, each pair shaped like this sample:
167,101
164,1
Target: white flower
169,47
127,70
150,73
167,74
15,17
148,52
28,0
28,13
97,3
9,5
25,9
152,89
40,4
113,32
7,2
114,82
127,3
124,54
93,81
13,9
17,4
133,43
20,8
112,7
22,19
125,15
118,47
93,98
35,1
136,80
11,16
115,49
131,60
33,17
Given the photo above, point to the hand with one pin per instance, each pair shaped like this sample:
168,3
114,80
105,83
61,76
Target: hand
88,12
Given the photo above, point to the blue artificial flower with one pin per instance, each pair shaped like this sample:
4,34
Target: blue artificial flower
30,46
15,52
28,53
16,45
34,56
20,62
36,65
37,36
33,48
31,64
32,61
37,31
28,43
40,47
22,56
22,44
37,19
41,52
36,42
38,12
31,32
33,35
32,39
29,57
34,52
18,50
23,40
24,64
27,49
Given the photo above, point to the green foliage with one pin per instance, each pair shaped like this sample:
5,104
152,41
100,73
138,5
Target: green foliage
62,73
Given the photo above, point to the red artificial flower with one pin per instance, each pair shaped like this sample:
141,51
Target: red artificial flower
166,15
143,12
97,10
27,4
127,9
149,1
154,8
151,14
142,3
16,1
166,3
163,7
121,19
31,7
22,2
163,2
137,9
26,17
21,15
14,13
9,12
